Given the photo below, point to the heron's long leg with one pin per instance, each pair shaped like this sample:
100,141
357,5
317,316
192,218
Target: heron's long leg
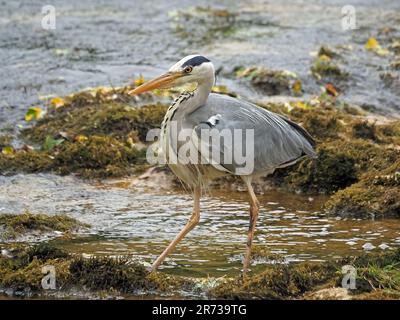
193,221
254,209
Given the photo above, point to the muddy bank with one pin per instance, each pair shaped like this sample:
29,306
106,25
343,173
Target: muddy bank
123,277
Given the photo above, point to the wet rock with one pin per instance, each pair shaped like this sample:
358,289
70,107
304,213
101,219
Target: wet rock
101,276
318,280
271,82
14,225
375,196
368,246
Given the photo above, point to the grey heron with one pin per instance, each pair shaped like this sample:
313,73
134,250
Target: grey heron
277,141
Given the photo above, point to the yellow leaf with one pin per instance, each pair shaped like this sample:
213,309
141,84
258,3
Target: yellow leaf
130,142
33,113
7,150
80,138
297,87
302,105
139,81
57,102
372,44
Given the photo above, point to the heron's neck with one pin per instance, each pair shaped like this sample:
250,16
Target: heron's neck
200,94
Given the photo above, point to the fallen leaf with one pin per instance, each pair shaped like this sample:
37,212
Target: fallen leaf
139,81
8,150
80,138
372,44
57,102
130,142
33,113
297,87
302,105
50,143
330,89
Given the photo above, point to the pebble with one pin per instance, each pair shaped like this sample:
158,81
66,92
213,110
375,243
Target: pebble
383,246
368,246
5,253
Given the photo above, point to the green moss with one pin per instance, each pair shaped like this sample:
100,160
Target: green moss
271,82
376,195
276,282
365,130
109,119
106,273
113,275
24,270
16,224
97,157
94,157
44,251
389,132
29,161
95,138
375,272
330,172
322,68
321,123
5,140
327,51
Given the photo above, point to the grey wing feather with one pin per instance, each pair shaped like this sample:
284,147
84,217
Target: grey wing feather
278,141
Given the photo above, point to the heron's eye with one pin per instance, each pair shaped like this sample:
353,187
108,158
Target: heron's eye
188,69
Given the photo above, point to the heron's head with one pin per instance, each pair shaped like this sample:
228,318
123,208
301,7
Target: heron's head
191,69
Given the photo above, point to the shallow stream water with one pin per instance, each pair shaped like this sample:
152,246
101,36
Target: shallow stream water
139,222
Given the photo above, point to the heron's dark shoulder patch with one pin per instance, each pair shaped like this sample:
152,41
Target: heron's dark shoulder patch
195,61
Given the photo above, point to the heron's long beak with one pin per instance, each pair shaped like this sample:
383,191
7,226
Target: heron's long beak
162,82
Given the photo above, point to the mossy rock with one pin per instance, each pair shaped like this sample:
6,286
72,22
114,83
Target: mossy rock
17,224
377,195
106,273
330,172
97,157
377,274
270,82
118,120
94,157
276,282
328,70
365,130
115,275
5,140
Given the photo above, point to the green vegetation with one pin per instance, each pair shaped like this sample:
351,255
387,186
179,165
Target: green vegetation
13,225
270,82
326,67
89,135
116,275
378,275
